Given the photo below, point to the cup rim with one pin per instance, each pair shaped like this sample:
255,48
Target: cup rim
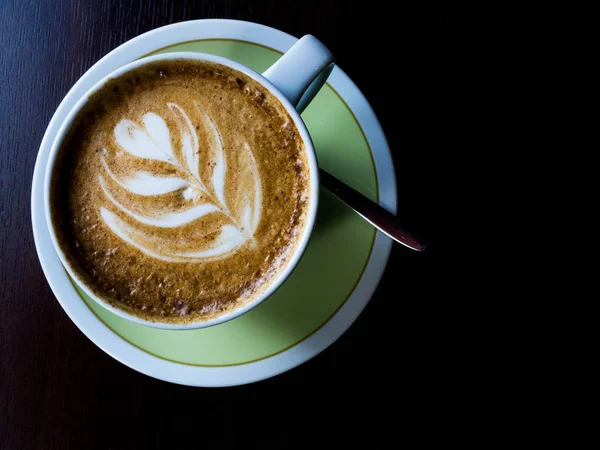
313,192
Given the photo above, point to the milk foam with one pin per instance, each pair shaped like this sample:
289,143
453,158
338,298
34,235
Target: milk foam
146,184
152,141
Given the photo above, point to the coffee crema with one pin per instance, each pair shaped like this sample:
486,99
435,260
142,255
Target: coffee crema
180,191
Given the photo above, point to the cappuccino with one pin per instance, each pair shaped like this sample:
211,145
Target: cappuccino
180,191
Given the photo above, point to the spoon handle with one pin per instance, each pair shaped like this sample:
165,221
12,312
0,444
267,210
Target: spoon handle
378,216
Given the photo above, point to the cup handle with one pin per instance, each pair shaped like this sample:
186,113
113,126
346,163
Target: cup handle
301,72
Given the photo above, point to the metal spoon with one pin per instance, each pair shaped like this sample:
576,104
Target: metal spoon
376,215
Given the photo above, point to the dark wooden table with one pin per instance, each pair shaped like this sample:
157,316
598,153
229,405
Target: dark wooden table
59,391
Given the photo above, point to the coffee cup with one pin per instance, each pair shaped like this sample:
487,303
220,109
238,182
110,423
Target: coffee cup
290,84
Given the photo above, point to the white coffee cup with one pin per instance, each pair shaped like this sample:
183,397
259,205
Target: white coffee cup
294,80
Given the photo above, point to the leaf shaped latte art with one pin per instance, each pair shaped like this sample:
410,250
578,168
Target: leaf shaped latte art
152,141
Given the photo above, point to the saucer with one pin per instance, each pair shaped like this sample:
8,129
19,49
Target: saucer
332,283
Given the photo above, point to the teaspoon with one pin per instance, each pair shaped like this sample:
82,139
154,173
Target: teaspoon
376,215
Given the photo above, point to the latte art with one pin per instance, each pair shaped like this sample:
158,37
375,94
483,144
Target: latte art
180,192
153,142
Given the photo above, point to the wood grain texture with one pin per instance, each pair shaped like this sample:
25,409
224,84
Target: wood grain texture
57,389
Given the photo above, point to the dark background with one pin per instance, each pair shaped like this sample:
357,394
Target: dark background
59,391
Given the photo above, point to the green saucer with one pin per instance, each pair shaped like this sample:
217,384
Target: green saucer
334,261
